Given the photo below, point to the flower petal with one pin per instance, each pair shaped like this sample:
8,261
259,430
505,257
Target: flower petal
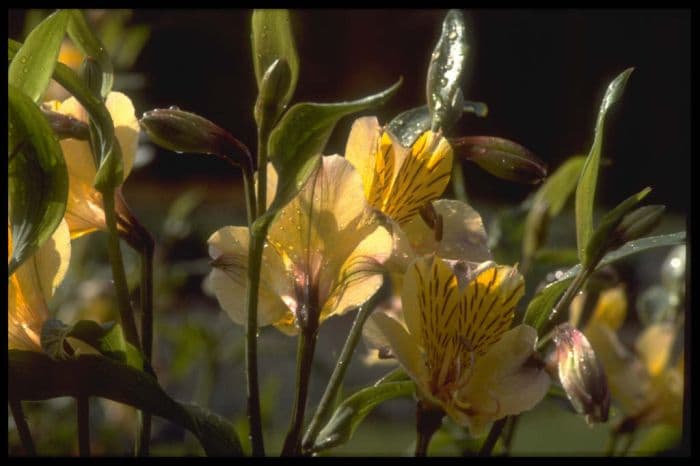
126,127
361,148
654,346
403,344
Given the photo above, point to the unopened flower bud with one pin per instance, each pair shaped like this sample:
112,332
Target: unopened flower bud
273,88
180,131
91,72
638,223
502,158
65,126
581,374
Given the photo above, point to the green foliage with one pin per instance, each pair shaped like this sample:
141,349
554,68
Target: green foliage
31,69
351,412
91,46
272,39
37,178
585,190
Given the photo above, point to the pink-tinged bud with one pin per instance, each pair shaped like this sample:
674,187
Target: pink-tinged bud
502,158
581,374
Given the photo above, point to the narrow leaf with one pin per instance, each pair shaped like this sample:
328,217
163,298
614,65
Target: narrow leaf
272,39
351,412
447,65
31,69
541,305
88,43
37,178
585,190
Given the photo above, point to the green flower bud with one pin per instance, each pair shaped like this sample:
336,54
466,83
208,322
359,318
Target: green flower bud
638,223
502,158
180,131
581,374
273,88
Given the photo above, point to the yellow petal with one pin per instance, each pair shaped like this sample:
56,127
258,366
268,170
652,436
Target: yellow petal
503,383
422,177
654,346
126,127
463,233
228,280
403,345
360,275
611,308
32,285
361,149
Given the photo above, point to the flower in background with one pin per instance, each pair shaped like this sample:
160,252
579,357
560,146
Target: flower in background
85,211
456,345
323,254
32,285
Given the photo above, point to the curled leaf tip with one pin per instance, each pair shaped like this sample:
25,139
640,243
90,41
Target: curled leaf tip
502,158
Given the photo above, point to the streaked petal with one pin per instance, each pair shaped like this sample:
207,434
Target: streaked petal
361,148
403,345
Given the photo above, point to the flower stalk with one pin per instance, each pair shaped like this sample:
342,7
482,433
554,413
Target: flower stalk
25,434
492,438
428,421
83,408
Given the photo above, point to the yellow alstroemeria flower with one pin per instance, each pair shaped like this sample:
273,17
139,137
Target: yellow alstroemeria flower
324,251
647,387
32,285
85,211
456,343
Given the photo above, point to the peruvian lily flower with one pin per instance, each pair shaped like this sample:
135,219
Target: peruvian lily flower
646,384
456,344
323,253
32,285
85,211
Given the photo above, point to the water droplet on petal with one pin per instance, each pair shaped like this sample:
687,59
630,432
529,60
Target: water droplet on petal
174,107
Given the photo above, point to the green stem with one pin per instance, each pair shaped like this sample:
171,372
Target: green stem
564,302
249,190
492,438
251,355
508,435
428,421
324,407
263,134
83,407
612,442
126,312
25,434
628,444
458,182
143,440
305,355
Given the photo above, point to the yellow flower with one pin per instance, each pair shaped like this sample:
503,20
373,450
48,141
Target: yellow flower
85,211
456,343
323,253
32,285
646,385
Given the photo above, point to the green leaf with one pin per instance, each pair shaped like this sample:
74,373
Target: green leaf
348,416
602,236
88,43
541,305
31,69
297,141
585,190
37,178
445,71
35,376
272,39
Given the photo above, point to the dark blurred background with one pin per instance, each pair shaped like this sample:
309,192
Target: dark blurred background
541,72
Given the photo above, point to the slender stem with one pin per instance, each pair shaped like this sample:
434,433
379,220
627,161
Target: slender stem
143,440
428,421
458,182
612,442
326,403
126,312
305,355
249,189
492,438
628,444
25,434
510,433
263,134
83,403
251,355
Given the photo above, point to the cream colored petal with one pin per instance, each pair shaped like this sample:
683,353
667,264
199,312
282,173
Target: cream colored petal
403,345
361,148
503,382
228,280
126,127
463,235
372,335
360,276
654,347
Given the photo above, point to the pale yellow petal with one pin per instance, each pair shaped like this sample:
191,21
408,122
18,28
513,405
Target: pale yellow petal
126,127
403,345
361,148
611,308
360,276
654,346
229,277
462,237
504,382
